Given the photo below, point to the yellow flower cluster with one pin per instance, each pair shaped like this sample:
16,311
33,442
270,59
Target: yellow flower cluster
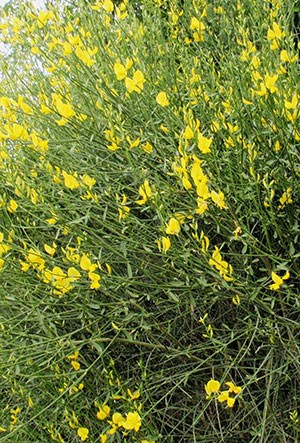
145,192
17,131
198,28
193,173
4,248
134,83
213,389
224,268
74,360
132,421
62,281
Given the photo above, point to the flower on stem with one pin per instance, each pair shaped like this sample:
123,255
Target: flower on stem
83,433
145,192
212,387
198,28
136,83
70,181
204,143
162,99
286,198
224,396
121,70
12,206
103,412
173,226
274,35
164,244
224,268
218,199
133,421
278,281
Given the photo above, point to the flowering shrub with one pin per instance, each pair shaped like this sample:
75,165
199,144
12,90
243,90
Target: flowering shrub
149,221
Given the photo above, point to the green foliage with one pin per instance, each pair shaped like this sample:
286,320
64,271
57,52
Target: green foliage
149,222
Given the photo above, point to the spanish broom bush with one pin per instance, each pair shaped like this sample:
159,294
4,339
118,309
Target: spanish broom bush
149,221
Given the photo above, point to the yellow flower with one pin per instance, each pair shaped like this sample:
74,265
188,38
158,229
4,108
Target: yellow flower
236,300
204,143
24,266
199,28
263,90
73,274
224,396
88,181
233,388
70,181
145,192
133,421
278,281
73,422
64,109
185,181
164,129
124,209
95,280
108,5
237,231
35,260
173,226
274,34
218,199
86,264
162,99
286,198
12,206
202,189
270,81
45,109
50,249
103,412
188,133
197,173
204,242
147,148
43,17
120,71
292,104
133,395
17,131
117,419
246,102
84,56
103,438
75,364
164,244
286,57
15,411
212,387
221,265
202,206
83,433
136,83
